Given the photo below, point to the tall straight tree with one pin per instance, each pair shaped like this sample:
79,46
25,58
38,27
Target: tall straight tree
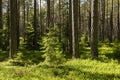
111,22
118,21
94,28
41,27
48,13
60,26
24,18
0,23
13,28
89,21
0,14
103,19
52,13
18,22
35,25
74,7
70,27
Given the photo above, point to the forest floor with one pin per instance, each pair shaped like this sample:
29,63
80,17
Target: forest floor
79,69
106,67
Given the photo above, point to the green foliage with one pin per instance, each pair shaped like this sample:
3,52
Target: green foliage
116,51
30,37
52,49
83,40
3,55
27,58
4,38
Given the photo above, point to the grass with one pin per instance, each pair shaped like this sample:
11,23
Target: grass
78,69
106,67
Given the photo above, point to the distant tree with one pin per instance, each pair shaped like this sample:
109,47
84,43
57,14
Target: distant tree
94,28
24,18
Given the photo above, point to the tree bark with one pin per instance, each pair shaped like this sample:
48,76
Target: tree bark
111,23
103,19
48,13
0,14
74,4
18,22
35,25
118,21
94,28
0,24
13,29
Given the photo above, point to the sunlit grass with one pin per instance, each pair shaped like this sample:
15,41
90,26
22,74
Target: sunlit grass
78,69
105,67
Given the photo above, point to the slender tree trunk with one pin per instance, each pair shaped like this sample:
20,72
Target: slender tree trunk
35,25
48,13
74,4
94,28
118,21
13,29
0,24
0,14
111,23
99,21
18,23
89,21
27,15
107,26
52,19
24,19
103,19
41,27
79,18
60,21
70,27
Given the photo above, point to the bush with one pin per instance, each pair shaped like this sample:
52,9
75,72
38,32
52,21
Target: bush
27,58
53,52
30,37
83,41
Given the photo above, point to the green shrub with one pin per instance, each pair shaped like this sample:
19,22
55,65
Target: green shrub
53,52
27,58
30,37
83,41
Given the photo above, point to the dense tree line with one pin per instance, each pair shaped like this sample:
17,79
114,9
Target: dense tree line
62,21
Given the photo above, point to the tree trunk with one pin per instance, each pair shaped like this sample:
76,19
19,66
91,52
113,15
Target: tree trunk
118,21
103,19
0,24
24,20
111,23
48,13
0,14
94,28
74,4
13,29
18,23
89,21
35,25
70,28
